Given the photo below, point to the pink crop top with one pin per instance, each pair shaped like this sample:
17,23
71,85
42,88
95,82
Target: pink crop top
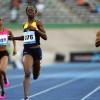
4,32
4,37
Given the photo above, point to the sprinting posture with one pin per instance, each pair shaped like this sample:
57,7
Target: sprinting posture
4,34
32,53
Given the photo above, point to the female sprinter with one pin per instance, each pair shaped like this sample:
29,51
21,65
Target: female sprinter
32,54
4,34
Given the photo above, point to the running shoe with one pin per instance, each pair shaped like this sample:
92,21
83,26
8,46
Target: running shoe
26,98
2,96
35,76
6,84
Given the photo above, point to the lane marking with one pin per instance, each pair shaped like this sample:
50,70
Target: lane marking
91,93
60,85
11,77
18,85
53,87
14,86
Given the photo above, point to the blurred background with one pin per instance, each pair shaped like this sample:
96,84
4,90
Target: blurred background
71,27
71,62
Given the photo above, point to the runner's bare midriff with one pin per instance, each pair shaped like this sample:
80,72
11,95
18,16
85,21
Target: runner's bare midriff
2,48
33,47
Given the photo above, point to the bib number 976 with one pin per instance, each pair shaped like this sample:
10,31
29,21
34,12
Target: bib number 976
27,37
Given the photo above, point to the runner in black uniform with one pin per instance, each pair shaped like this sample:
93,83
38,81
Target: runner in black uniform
32,53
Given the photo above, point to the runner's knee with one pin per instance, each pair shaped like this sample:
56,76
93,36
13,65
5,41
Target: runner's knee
27,74
1,71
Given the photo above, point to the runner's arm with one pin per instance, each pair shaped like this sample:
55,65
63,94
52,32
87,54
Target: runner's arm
14,42
20,38
41,30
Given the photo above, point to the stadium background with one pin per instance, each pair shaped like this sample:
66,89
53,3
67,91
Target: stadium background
71,62
71,26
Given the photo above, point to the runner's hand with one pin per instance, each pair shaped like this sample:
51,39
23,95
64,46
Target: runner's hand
10,38
14,52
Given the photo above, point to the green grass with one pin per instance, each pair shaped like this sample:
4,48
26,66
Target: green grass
54,25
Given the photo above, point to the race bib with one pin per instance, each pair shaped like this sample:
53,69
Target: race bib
29,37
3,39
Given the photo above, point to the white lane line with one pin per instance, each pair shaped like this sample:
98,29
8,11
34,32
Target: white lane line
17,85
60,85
92,92
14,86
11,77
53,87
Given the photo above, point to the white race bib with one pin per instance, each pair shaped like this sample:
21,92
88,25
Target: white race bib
29,37
3,39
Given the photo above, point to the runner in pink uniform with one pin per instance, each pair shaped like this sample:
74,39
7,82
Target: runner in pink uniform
4,34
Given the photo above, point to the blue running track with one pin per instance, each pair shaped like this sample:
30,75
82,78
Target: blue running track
62,81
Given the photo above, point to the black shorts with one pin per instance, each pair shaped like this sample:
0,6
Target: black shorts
3,53
36,53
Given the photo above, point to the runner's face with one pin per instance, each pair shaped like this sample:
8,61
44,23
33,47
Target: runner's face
1,22
31,12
